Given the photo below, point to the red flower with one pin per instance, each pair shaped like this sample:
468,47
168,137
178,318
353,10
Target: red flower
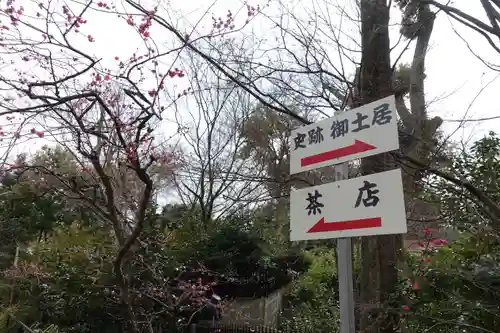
427,259
100,4
107,77
440,242
116,58
405,307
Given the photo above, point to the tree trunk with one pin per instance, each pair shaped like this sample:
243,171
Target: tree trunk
378,276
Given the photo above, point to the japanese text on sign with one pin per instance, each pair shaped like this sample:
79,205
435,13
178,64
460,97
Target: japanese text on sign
381,115
363,206
367,195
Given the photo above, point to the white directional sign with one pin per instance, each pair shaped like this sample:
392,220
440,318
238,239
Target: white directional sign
363,206
368,130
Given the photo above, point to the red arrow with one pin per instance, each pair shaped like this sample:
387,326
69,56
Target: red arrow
322,226
357,147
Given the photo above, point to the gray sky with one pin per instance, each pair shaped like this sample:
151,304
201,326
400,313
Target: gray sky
455,75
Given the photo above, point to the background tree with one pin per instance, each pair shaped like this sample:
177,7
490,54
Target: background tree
212,177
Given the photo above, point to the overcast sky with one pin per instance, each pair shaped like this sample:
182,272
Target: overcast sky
455,76
458,85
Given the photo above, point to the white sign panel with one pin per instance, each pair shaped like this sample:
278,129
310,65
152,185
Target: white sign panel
363,206
368,130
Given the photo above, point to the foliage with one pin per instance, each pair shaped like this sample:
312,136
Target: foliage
480,166
25,214
234,249
69,281
457,287
313,299
7,317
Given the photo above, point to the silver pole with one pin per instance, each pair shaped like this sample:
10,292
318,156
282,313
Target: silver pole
344,264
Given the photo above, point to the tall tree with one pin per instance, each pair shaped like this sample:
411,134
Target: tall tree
212,177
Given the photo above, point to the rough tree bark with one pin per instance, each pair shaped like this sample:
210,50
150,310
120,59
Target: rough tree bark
378,276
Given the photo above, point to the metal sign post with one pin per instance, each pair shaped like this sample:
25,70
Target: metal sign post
344,270
363,206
